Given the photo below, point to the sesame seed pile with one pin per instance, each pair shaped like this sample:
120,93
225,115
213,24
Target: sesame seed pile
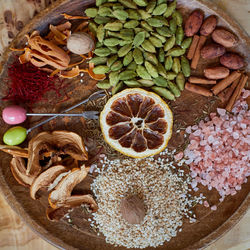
165,192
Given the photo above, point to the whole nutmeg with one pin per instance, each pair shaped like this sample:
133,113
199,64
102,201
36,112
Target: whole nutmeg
132,209
80,43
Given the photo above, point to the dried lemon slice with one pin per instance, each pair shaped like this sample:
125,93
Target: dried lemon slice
136,123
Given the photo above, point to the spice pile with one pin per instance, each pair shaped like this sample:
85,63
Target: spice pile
165,195
140,44
218,153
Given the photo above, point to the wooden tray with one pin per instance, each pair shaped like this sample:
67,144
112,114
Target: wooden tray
187,109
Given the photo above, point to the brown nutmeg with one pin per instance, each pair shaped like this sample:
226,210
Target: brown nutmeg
132,209
80,43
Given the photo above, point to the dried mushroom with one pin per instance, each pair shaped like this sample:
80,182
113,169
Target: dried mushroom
62,191
55,214
45,179
18,169
15,151
59,142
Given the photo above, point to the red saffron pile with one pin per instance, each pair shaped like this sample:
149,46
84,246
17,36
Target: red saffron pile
28,84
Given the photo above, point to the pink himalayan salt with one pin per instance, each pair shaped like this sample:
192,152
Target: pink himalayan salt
218,153
214,207
179,156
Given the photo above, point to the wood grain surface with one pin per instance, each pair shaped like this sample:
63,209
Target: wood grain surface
14,234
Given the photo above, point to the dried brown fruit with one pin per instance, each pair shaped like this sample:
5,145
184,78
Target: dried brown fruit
212,51
216,73
194,23
208,26
132,209
225,38
232,61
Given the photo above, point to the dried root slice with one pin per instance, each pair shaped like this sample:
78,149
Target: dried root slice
46,178
15,151
64,141
18,169
62,191
73,201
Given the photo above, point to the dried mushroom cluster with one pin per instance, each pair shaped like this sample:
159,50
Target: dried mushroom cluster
53,164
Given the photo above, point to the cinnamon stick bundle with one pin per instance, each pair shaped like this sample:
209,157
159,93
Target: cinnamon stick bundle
225,82
193,47
197,53
237,93
198,90
199,80
227,93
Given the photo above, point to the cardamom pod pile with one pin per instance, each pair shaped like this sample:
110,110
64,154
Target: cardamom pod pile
140,44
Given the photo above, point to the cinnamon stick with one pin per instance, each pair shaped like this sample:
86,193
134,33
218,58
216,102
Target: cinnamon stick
225,82
197,53
227,93
199,80
198,90
192,47
237,93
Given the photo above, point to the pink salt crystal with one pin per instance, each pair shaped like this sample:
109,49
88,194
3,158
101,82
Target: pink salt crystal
197,132
188,130
210,139
195,127
212,115
214,207
205,203
179,156
221,112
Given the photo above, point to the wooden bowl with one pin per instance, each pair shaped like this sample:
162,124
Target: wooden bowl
187,109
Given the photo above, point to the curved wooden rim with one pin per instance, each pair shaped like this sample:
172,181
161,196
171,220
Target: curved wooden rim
57,242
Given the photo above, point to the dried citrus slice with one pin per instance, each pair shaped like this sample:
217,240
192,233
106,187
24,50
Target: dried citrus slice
136,123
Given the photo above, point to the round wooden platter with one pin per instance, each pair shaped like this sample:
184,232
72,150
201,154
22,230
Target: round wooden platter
188,109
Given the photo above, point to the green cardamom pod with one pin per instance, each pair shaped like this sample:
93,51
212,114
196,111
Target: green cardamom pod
113,49
143,73
178,16
161,70
102,51
162,38
91,12
173,25
161,55
186,43
120,14
118,6
113,34
124,50
170,75
117,88
155,41
144,14
131,24
185,66
164,31
104,11
179,35
141,3
164,93
116,66
132,66
127,34
150,57
138,57
103,85
139,39
92,27
146,26
176,52
169,43
168,63
160,2
148,46
152,70
111,60
111,41
174,89
101,69
127,75
150,7
98,44
128,58
176,67
146,83
100,33
101,19
180,81
98,60
128,3
160,9
124,42
115,26
163,20
133,14
132,84
170,10
114,78
161,81
100,2
154,22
